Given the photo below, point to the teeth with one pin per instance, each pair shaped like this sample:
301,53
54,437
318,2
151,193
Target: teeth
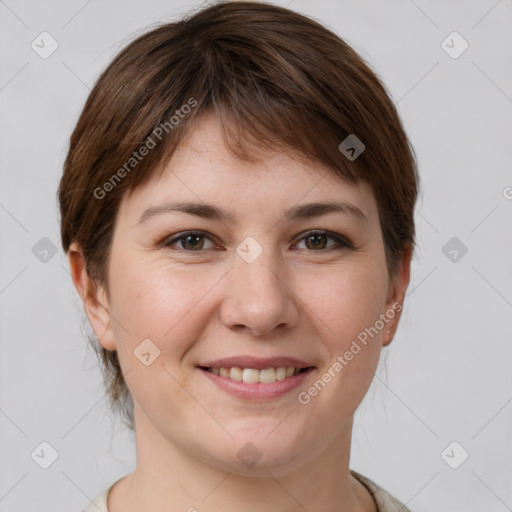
281,373
268,375
235,373
250,376
253,376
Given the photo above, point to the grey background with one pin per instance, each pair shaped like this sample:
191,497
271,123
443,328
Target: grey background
446,377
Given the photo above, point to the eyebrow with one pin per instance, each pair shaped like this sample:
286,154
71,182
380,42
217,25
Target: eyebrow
208,211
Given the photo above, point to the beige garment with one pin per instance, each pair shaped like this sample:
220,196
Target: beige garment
385,502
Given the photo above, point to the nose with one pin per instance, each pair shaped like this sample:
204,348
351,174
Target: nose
259,297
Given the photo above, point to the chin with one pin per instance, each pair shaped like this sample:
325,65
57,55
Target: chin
256,453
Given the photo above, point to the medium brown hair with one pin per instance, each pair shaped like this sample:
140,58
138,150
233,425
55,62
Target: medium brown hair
276,79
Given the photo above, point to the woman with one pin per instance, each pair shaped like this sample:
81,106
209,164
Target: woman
237,209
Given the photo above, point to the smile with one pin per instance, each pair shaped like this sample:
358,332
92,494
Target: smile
256,384
253,375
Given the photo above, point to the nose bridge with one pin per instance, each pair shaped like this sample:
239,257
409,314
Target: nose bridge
256,272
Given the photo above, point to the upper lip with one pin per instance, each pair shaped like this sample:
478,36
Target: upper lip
258,363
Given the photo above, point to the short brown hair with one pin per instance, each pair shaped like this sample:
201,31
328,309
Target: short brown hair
275,78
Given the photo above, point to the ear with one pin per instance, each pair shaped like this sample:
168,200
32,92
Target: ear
396,294
93,296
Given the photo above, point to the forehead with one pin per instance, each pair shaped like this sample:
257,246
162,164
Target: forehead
203,169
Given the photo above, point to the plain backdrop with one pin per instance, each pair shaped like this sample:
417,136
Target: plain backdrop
446,376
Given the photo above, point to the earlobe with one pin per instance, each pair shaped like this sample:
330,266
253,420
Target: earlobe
93,297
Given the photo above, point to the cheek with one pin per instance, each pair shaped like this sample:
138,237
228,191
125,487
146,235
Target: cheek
164,306
159,303
345,301
347,306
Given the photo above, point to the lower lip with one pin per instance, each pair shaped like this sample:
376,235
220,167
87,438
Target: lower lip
258,391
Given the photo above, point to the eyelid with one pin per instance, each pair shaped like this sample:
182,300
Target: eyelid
341,241
168,242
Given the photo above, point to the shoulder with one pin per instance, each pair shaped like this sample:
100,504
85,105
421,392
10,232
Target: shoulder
99,504
385,501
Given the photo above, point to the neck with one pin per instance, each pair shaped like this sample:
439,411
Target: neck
169,478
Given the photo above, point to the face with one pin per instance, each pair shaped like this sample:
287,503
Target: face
302,293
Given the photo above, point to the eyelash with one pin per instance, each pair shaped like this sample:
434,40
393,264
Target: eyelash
341,241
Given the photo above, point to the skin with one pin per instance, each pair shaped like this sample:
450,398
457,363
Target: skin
199,301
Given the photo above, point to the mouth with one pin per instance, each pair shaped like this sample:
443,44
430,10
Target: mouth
253,375
255,378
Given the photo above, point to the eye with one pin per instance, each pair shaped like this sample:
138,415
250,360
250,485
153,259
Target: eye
194,241
189,240
316,240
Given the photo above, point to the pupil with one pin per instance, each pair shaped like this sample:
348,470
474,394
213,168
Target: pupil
196,237
315,237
